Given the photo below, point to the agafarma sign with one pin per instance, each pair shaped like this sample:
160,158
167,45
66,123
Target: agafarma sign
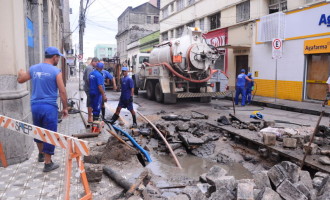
324,20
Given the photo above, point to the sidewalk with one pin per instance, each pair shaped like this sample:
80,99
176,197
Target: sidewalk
311,108
27,181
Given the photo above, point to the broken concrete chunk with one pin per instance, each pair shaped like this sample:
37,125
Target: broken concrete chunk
290,142
223,120
193,192
227,182
215,173
222,194
325,152
321,174
170,117
318,141
202,178
145,131
179,197
93,172
205,188
245,191
204,150
324,160
182,127
289,192
310,150
268,194
277,174
269,138
292,170
317,182
302,188
325,186
305,178
261,180
94,157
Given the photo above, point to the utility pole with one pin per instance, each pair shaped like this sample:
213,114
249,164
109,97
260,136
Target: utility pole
81,38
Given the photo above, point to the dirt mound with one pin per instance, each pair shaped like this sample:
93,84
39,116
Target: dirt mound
117,151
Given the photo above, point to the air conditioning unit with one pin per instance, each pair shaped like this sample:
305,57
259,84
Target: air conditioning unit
271,26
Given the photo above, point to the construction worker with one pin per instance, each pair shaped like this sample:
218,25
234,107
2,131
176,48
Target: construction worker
249,88
87,71
126,97
46,81
241,87
96,91
107,77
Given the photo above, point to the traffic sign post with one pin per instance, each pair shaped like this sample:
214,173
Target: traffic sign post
277,46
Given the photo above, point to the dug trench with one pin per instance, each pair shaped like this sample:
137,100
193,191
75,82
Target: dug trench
218,159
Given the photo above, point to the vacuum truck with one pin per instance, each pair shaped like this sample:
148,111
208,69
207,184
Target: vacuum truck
182,68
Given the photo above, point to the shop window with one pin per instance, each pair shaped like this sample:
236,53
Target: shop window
172,33
277,6
148,19
191,24
201,24
179,5
179,31
243,11
165,12
156,19
215,21
165,36
190,2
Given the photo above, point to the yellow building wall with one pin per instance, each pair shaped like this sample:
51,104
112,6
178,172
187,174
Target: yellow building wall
290,90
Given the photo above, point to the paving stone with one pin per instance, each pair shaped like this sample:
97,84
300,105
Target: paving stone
268,194
324,186
194,193
182,127
290,142
305,178
269,139
321,174
245,191
289,192
303,188
206,188
215,173
94,172
94,157
179,197
292,170
324,160
261,180
317,182
202,178
277,174
310,150
222,194
227,182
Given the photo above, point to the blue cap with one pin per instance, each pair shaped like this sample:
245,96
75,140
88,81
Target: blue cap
249,74
100,65
124,69
52,51
242,70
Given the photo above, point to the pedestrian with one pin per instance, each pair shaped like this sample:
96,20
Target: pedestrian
87,71
126,97
241,87
107,77
46,82
249,88
96,91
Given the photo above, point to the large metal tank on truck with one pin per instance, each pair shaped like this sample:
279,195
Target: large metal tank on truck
182,68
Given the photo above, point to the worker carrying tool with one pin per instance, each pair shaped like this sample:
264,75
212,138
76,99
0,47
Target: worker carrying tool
126,97
96,91
241,87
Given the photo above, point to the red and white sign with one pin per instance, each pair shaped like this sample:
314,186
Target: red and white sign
80,57
217,38
277,46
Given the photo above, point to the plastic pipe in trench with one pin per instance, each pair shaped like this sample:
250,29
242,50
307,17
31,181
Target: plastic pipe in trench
145,153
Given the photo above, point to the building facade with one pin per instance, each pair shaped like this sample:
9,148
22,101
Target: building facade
33,25
234,27
133,24
105,51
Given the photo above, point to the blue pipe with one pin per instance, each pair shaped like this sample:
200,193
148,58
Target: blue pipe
145,153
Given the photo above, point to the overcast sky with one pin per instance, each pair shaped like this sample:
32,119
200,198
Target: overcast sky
101,22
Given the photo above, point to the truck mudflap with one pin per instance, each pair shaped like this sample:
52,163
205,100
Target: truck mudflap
206,94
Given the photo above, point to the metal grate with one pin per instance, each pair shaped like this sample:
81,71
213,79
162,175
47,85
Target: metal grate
271,26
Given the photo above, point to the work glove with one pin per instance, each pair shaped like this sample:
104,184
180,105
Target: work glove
130,99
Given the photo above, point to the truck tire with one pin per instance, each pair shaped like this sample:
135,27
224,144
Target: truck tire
159,93
150,90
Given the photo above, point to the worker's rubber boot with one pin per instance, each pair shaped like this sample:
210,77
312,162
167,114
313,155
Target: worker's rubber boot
50,167
134,125
103,113
114,119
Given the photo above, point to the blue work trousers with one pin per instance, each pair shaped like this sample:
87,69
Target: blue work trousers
96,102
240,90
248,95
45,116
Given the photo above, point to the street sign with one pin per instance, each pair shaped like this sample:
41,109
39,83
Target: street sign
80,58
277,46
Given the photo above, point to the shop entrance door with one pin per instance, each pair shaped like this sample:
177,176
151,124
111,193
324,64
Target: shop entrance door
318,68
242,63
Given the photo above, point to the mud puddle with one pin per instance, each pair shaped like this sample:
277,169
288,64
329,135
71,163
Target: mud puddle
192,167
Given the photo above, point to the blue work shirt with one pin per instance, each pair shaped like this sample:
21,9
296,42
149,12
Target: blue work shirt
95,79
126,86
44,86
106,75
250,84
241,80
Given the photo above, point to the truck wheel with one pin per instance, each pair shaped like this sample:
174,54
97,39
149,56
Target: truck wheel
159,93
150,90
136,91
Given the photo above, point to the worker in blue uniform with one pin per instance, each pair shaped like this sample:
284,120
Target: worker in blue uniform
249,88
96,91
241,87
126,97
107,78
